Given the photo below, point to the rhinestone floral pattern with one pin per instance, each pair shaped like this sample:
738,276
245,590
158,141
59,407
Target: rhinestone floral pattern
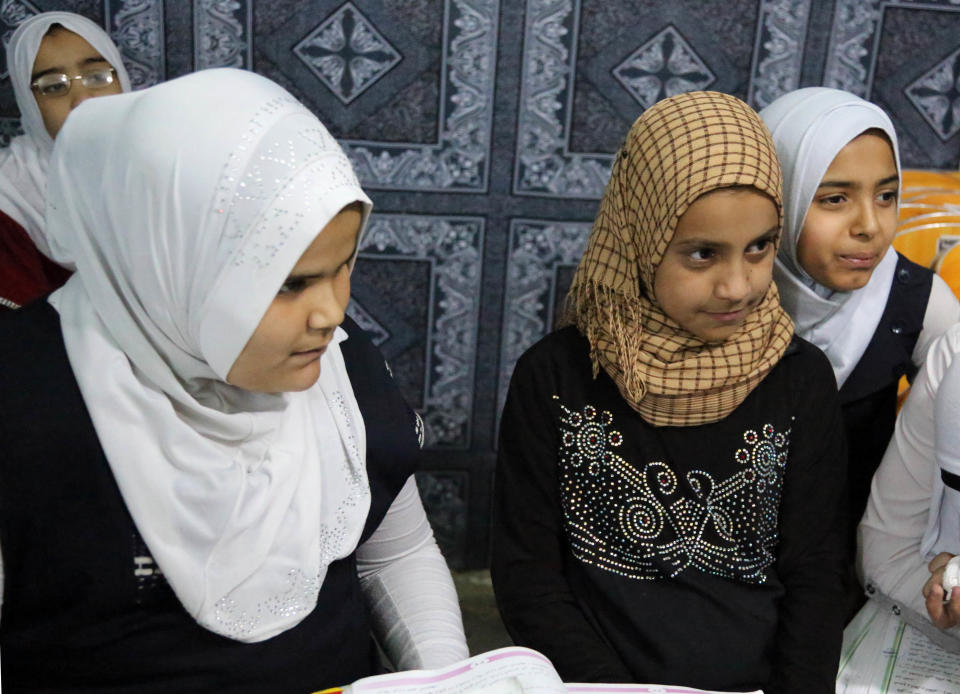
299,596
650,522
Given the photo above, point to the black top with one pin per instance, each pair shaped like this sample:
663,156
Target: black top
85,609
869,395
704,556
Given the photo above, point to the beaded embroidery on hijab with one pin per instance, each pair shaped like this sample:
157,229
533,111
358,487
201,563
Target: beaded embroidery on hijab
677,151
244,499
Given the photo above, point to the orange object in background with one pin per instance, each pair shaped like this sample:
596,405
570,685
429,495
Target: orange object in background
903,390
929,220
928,230
923,238
948,267
926,180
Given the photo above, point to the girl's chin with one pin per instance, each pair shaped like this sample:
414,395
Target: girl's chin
849,281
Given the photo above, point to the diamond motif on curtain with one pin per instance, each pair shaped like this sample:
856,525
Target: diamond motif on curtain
347,53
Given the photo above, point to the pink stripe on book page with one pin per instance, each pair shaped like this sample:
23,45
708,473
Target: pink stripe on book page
434,677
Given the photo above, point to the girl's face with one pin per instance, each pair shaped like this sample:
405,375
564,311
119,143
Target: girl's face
283,355
853,216
719,263
62,51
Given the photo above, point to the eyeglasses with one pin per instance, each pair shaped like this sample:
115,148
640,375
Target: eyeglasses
59,83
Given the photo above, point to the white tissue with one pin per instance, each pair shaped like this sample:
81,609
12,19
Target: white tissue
951,576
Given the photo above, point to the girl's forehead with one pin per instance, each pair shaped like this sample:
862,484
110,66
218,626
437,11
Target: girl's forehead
61,47
868,156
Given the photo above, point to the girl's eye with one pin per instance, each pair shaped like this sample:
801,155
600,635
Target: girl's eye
701,254
292,286
760,246
887,196
833,199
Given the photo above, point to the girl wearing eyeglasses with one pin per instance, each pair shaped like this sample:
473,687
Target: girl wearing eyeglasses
56,60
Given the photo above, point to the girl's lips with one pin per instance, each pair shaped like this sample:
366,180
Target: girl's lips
859,260
310,354
728,316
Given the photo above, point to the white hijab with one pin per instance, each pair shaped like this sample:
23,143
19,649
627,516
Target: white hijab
809,127
185,206
23,165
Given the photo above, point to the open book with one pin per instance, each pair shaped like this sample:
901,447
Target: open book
882,654
503,671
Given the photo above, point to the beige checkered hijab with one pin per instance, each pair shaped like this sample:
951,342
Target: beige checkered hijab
678,150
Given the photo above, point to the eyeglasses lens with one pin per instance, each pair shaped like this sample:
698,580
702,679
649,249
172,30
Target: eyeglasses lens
59,84
53,85
97,79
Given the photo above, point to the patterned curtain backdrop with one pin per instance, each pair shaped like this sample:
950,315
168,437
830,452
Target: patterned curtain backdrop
484,131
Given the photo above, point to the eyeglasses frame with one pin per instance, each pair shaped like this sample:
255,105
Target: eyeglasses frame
72,78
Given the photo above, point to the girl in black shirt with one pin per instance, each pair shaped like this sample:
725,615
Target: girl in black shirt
666,490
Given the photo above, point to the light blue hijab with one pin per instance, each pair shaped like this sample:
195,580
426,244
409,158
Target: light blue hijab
810,126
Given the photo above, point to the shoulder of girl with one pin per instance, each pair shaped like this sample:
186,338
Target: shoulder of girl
37,321
807,355
563,345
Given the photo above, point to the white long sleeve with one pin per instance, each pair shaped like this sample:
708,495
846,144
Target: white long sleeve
943,311
414,606
893,525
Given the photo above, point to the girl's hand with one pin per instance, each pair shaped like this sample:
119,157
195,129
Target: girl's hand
943,614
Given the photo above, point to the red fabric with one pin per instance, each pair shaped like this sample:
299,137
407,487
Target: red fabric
25,273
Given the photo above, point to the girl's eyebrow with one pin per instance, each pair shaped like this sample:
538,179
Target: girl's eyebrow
94,59
772,231
851,184
713,243
41,73
298,276
700,243
57,68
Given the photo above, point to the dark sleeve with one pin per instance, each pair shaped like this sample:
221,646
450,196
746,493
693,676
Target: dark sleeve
393,449
810,556
528,551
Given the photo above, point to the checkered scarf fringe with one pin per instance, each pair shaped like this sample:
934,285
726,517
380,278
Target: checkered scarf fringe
678,150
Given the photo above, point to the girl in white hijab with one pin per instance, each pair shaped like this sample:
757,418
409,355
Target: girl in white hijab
23,165
262,452
910,533
873,312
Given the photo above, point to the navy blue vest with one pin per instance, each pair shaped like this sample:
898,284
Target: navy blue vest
85,609
869,395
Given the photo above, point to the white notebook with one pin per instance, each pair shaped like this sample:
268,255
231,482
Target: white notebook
511,670
884,655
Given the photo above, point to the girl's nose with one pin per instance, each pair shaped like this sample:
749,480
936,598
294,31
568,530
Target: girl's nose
734,283
867,223
325,311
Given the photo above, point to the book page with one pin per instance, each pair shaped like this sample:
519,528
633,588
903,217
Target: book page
863,660
917,665
511,670
639,689
505,669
